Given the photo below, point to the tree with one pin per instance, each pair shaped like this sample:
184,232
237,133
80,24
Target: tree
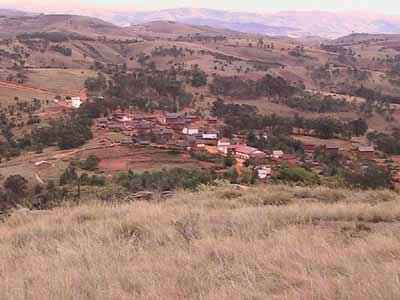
69,176
17,184
359,127
199,78
232,174
94,84
91,163
229,161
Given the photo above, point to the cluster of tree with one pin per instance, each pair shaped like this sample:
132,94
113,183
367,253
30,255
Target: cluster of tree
205,156
275,141
12,117
244,177
8,55
390,144
201,38
69,132
328,128
149,91
374,95
165,51
298,51
71,177
317,103
268,86
16,191
90,163
372,177
53,36
61,49
338,49
246,117
199,78
297,175
166,180
95,84
220,56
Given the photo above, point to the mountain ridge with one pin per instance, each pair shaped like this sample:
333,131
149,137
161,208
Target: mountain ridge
290,23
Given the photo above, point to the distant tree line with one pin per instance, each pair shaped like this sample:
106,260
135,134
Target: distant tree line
61,49
317,103
390,144
267,86
246,117
166,180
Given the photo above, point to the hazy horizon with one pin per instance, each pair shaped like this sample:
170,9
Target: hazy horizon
386,7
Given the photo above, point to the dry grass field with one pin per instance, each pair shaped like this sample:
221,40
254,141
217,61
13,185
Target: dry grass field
45,84
272,242
64,82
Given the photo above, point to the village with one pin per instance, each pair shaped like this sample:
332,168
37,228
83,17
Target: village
186,131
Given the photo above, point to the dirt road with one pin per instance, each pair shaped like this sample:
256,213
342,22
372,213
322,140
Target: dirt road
17,86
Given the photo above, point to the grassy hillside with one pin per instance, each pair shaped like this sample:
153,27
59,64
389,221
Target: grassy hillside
272,242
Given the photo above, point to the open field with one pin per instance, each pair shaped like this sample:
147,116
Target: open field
63,82
8,93
139,159
45,84
271,242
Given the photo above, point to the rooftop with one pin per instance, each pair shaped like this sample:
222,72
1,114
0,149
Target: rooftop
366,149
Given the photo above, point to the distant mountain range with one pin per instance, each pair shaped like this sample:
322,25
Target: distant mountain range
300,24
291,23
13,13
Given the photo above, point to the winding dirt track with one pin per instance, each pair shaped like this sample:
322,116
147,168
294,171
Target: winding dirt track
11,85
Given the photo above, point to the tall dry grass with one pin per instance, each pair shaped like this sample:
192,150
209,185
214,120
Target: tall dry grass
265,243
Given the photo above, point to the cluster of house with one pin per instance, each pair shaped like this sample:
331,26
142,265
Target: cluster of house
170,129
362,152
188,131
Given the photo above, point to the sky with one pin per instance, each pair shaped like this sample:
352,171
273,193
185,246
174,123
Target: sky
263,6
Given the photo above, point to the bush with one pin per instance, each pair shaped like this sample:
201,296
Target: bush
91,163
16,184
166,180
298,175
373,177
62,50
199,78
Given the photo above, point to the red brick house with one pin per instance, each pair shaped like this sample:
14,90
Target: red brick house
364,152
290,159
309,148
330,148
212,120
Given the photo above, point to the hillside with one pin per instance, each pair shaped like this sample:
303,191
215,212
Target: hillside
271,242
14,25
331,67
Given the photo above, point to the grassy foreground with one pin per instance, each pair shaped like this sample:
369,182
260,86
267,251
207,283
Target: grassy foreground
271,242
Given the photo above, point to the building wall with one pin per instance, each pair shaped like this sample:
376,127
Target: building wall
366,154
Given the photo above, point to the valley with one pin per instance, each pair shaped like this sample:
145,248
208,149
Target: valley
129,79
199,154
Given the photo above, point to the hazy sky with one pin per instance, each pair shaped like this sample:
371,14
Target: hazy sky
373,6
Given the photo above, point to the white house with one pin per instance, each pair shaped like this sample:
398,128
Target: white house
190,131
76,102
264,172
277,154
223,145
209,136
